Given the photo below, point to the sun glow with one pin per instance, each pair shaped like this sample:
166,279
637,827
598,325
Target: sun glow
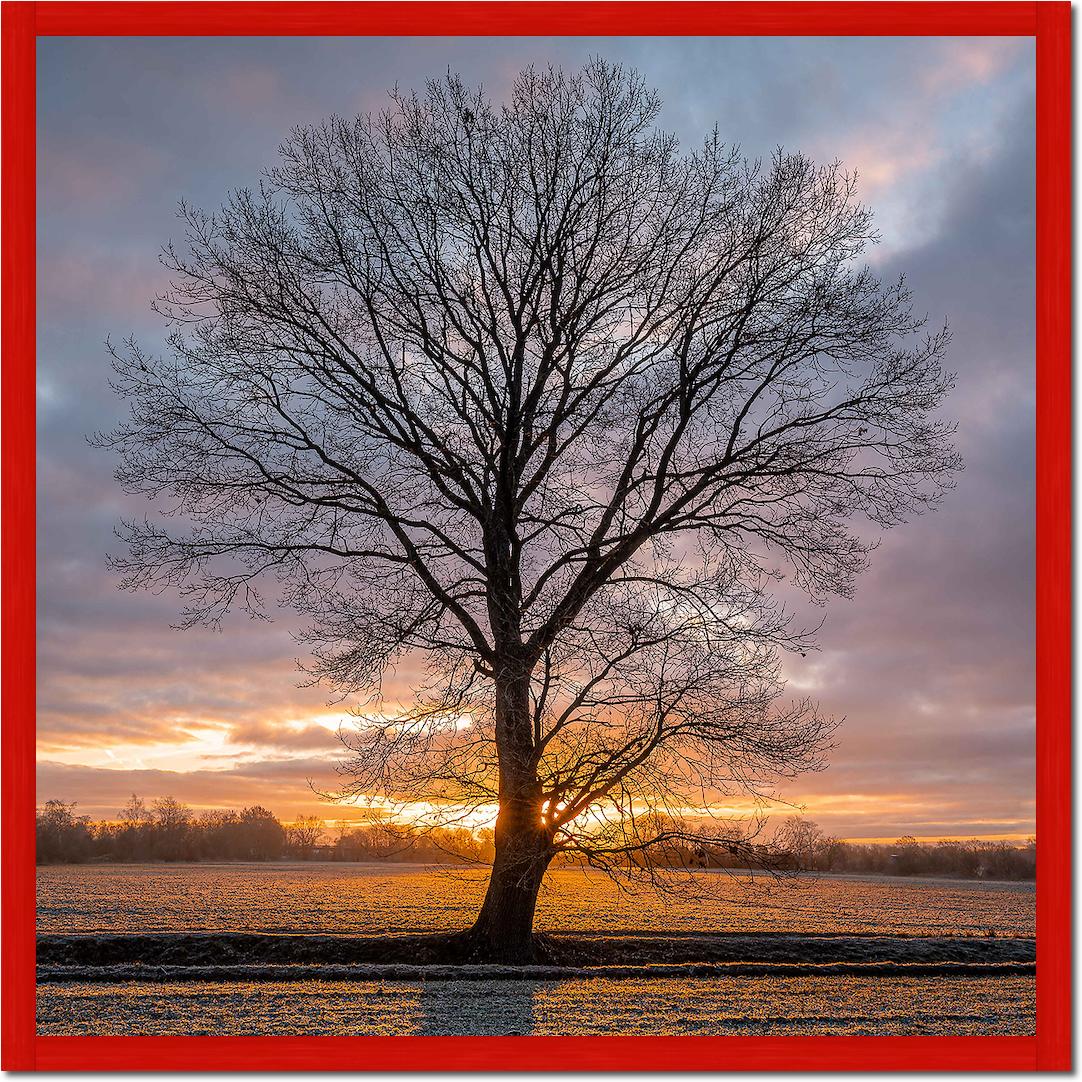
301,749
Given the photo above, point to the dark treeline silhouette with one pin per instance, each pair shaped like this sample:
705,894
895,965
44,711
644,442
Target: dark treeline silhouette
440,844
164,830
167,830
799,845
970,859
807,848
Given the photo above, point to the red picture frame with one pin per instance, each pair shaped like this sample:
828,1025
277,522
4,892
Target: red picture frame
1049,23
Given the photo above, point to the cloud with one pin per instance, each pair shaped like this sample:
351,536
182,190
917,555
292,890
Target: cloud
283,786
262,734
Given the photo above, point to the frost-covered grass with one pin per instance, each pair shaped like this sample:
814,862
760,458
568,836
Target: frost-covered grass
754,1005
374,899
313,949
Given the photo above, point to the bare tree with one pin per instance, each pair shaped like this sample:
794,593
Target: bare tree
302,836
800,842
531,391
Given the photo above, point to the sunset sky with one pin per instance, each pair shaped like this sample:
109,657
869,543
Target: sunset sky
931,664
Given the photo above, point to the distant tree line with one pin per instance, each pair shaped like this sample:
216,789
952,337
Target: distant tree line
167,830
807,848
440,844
799,845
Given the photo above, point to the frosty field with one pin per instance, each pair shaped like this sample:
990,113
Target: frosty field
833,918
378,898
765,1005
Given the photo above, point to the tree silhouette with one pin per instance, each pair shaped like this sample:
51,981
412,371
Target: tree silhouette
528,390
303,835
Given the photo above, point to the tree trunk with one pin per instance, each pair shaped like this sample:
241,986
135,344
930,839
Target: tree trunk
503,931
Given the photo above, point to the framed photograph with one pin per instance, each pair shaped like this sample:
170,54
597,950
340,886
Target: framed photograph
536,536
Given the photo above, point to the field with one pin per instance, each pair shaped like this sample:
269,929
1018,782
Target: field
805,955
380,898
